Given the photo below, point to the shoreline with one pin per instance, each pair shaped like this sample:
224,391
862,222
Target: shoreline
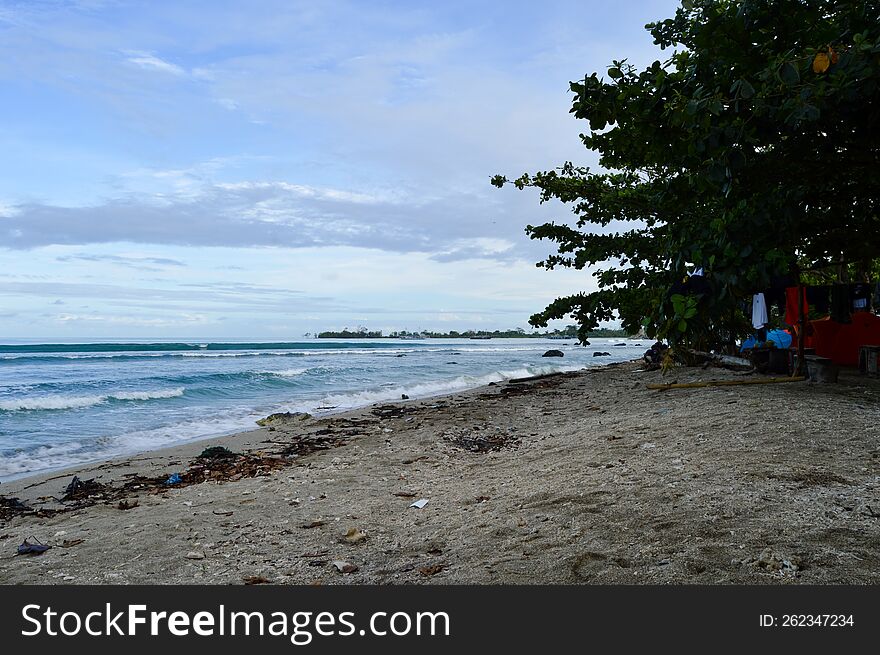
584,477
181,448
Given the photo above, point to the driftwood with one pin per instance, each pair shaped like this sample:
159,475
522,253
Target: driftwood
722,383
535,377
704,359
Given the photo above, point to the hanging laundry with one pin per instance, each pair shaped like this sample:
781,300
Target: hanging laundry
759,311
792,305
775,294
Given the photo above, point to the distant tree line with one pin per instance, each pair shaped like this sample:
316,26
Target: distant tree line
569,332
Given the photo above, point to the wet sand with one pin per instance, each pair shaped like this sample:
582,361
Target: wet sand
587,477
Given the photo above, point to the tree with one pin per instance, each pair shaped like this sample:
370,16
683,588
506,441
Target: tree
750,152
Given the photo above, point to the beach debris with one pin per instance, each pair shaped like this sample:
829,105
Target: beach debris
721,383
217,452
124,504
345,567
431,569
35,547
195,554
222,513
601,354
70,543
534,378
256,579
82,489
280,418
482,442
403,396
553,353
313,524
174,478
355,536
420,503
306,445
10,507
393,411
482,499
772,561
405,494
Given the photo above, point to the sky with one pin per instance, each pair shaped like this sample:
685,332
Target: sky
265,169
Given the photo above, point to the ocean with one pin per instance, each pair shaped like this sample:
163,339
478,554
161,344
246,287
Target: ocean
68,404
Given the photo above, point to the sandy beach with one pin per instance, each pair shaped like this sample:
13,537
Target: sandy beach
585,477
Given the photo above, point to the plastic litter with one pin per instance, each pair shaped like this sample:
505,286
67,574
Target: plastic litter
36,548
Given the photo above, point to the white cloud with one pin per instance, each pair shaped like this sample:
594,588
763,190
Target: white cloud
149,61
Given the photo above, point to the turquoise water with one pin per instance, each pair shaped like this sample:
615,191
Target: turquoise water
66,404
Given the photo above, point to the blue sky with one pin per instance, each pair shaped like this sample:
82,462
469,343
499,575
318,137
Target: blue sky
265,169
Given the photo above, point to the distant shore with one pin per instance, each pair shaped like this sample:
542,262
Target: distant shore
585,477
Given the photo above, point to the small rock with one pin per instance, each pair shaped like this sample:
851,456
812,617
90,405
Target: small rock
431,570
284,417
345,567
195,554
553,353
355,536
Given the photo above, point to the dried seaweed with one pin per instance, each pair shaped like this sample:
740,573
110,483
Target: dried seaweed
83,489
483,443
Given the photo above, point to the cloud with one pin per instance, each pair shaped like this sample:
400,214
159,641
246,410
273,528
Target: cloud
134,320
138,263
151,62
451,227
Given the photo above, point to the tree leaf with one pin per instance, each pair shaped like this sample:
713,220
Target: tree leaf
788,73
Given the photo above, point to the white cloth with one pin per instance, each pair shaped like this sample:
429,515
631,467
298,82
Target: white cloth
759,311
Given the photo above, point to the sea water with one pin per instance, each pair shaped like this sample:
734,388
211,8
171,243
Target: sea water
62,405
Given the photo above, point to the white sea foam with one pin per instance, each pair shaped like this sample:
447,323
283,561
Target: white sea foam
61,401
286,373
426,389
148,395
58,456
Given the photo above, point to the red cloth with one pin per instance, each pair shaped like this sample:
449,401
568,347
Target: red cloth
863,331
824,334
792,310
841,341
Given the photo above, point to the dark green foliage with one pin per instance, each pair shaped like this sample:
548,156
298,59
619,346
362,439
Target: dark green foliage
743,153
